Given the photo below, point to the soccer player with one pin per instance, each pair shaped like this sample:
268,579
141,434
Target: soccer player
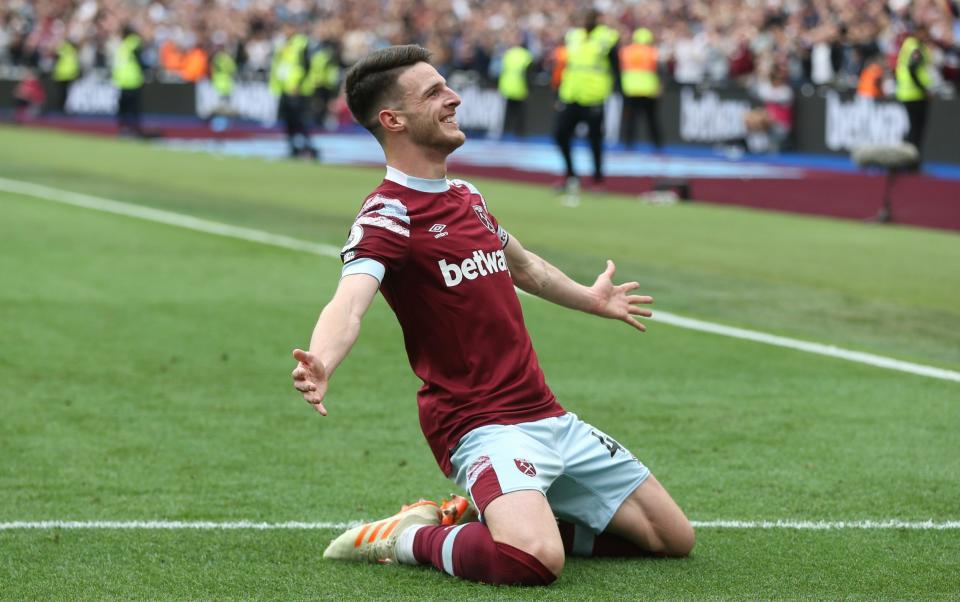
545,482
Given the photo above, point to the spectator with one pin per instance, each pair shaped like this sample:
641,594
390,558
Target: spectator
716,43
871,79
28,98
690,54
770,125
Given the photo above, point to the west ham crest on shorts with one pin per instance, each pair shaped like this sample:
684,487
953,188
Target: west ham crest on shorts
484,219
526,467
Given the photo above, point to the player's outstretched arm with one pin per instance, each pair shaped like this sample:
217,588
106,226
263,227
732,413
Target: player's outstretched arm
536,276
337,329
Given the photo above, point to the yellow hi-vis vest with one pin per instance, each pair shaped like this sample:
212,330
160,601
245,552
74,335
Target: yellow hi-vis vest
287,74
638,70
513,74
221,73
907,89
67,67
331,75
127,74
587,79
323,73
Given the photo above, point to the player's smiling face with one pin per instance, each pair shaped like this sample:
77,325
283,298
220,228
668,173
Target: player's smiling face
431,109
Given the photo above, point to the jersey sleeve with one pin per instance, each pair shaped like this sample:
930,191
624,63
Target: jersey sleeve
500,231
379,238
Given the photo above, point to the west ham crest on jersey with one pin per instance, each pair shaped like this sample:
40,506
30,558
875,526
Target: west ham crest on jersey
484,219
525,467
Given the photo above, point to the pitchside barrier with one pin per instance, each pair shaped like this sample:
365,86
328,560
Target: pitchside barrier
825,122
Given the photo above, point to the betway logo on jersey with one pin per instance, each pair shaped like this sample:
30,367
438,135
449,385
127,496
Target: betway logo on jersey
481,264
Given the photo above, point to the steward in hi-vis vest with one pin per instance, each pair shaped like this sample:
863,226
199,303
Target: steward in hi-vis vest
65,71
222,71
288,80
128,77
323,80
641,87
913,83
513,85
591,72
588,77
513,76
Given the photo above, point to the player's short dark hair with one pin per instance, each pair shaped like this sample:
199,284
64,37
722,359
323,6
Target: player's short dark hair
372,82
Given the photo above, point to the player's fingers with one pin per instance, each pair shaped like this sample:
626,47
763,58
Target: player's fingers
629,286
304,386
611,269
303,356
633,322
639,311
299,373
640,299
318,406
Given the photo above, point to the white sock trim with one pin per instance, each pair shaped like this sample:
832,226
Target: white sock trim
404,548
446,552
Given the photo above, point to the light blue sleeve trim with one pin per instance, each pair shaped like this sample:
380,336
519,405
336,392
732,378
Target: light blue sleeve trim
368,266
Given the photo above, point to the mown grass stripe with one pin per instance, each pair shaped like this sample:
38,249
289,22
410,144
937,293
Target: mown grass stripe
802,525
278,240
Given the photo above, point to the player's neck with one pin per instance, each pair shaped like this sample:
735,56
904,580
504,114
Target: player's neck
418,163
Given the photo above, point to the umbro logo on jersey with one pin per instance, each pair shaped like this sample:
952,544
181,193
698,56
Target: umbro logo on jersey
438,230
481,264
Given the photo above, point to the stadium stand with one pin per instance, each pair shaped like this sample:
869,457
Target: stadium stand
727,42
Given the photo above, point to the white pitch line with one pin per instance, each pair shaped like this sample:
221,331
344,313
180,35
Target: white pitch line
808,525
277,240
170,218
801,525
870,359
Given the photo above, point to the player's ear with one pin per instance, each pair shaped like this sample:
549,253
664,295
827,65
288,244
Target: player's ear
392,120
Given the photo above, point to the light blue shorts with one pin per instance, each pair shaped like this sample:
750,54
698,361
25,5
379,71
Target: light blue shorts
585,474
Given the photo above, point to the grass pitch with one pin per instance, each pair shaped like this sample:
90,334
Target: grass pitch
145,375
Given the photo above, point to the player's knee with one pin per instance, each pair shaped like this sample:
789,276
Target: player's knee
679,541
689,539
550,555
514,566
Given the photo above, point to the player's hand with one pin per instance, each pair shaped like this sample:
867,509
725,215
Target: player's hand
614,301
310,378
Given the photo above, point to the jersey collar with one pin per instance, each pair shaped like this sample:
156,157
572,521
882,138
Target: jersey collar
419,184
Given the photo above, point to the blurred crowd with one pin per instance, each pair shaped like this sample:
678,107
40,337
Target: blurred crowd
715,42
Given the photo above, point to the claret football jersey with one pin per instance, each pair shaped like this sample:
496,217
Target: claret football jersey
438,254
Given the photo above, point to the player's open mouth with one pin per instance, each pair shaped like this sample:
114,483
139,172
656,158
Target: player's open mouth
450,119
